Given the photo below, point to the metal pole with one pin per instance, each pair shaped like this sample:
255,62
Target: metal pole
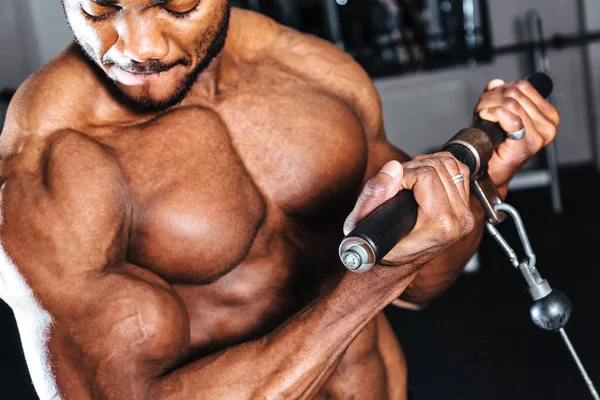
542,64
591,78
582,370
334,28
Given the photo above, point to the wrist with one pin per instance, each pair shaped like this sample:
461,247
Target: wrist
378,287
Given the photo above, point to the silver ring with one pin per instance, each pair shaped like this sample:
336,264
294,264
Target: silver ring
516,135
460,178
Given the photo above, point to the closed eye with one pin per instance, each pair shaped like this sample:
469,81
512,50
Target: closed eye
179,12
97,12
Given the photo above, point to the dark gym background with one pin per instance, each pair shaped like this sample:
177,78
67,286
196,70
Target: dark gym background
476,342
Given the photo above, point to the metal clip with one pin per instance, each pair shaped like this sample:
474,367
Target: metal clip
487,194
538,287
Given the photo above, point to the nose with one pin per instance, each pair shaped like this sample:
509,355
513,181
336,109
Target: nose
141,40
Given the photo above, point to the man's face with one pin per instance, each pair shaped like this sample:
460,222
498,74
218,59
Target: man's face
153,50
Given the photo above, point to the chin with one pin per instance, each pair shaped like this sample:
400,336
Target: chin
145,94
154,95
145,102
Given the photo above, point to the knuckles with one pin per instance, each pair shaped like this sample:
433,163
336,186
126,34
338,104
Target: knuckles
511,91
447,160
468,222
451,227
523,85
511,104
447,227
427,173
438,161
550,132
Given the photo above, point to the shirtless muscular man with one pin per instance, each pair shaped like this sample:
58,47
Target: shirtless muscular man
174,187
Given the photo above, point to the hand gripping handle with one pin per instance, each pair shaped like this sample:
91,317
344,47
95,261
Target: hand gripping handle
379,232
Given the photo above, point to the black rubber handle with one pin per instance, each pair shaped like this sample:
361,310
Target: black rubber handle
395,218
542,83
388,224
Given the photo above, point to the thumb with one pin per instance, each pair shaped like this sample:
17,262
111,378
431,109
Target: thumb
382,187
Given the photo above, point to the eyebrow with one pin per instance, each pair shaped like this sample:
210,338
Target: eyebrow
116,2
106,2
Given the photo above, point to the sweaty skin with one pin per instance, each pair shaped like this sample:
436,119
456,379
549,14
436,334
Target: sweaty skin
191,253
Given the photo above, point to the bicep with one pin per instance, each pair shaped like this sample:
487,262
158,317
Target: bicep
104,336
118,334
91,324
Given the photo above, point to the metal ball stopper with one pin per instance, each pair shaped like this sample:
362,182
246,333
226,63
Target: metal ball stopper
552,312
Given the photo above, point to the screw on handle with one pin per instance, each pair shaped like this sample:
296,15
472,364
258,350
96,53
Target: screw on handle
380,231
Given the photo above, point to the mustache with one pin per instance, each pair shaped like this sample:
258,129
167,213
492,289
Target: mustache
149,67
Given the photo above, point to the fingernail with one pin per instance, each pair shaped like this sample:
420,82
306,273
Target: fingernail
348,225
392,168
484,112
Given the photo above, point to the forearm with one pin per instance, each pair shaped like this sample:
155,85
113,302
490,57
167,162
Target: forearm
296,359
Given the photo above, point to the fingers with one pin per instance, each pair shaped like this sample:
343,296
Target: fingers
515,152
527,88
545,107
456,201
382,187
449,168
444,215
493,84
527,101
507,115
515,106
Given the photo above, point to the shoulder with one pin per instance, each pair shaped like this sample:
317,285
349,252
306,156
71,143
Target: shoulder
47,112
333,70
64,208
312,59
66,172
50,100
58,179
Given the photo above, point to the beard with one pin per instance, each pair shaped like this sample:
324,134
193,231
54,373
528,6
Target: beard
145,103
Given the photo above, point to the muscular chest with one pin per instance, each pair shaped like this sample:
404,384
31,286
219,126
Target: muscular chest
207,183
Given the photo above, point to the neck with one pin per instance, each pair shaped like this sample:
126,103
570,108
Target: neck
207,84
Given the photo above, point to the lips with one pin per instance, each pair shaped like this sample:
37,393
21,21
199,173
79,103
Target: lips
128,78
134,74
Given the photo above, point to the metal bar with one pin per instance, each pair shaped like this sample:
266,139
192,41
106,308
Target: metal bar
512,255
528,179
591,77
557,41
518,221
582,370
332,18
551,152
542,64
